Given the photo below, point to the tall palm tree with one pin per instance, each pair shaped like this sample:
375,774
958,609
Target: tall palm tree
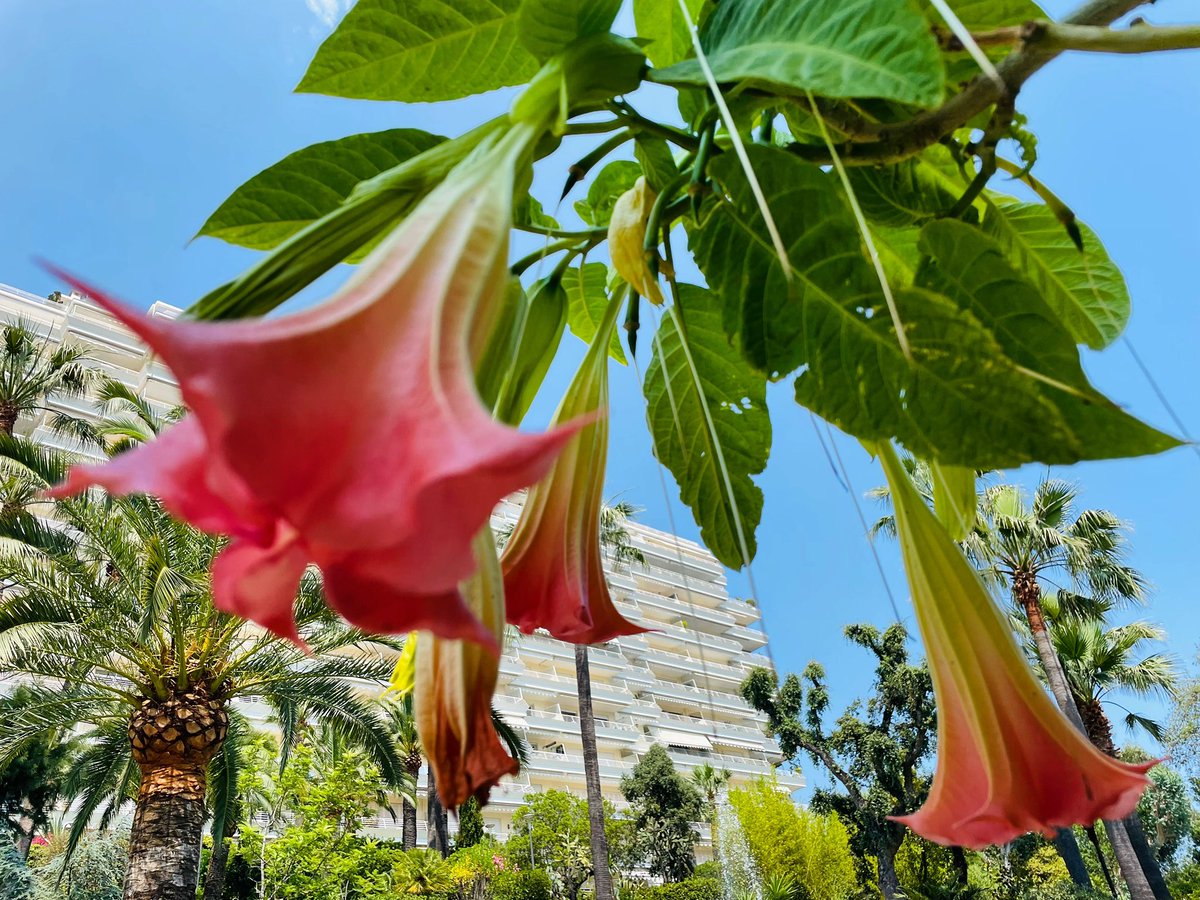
408,744
710,781
111,622
31,370
615,542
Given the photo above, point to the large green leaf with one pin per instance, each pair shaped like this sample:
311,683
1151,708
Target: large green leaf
548,26
307,184
705,406
955,398
762,308
982,15
587,299
614,179
421,50
1086,290
661,23
902,194
836,48
968,266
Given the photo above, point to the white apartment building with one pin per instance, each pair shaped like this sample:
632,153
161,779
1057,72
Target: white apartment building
675,685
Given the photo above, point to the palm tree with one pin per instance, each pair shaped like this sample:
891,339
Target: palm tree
408,744
111,622
710,782
1099,662
30,372
614,540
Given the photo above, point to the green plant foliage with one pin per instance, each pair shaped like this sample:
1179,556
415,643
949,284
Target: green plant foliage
971,268
874,755
16,881
1166,813
422,873
587,298
662,25
32,781
707,413
907,193
551,831
860,48
95,871
1184,882
694,888
665,804
612,181
546,27
521,884
1085,289
788,840
470,825
308,184
421,51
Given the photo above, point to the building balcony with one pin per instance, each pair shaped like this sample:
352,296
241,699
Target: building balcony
698,697
703,593
718,730
745,612
723,648
556,685
739,765
747,638
673,608
695,665
572,765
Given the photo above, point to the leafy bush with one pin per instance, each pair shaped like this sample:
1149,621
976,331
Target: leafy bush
783,838
527,884
689,889
96,870
709,869
16,881
1184,882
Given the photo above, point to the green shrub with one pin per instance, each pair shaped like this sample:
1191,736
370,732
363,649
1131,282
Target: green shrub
16,881
1184,882
527,884
709,869
689,889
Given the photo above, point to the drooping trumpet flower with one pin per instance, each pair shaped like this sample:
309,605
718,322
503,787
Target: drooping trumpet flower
1008,761
350,435
553,570
453,691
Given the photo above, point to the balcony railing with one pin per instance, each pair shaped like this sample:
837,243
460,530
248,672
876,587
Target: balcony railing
707,726
696,665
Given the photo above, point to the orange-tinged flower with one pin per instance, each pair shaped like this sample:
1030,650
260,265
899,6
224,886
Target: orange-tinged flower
453,692
627,240
553,571
350,435
1008,761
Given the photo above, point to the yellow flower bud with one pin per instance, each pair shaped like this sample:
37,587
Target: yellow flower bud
627,240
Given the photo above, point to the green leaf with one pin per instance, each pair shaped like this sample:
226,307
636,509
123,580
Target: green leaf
658,165
762,309
1086,290
661,23
836,48
421,51
982,15
614,180
972,269
305,185
548,26
954,498
906,193
692,370
529,211
587,299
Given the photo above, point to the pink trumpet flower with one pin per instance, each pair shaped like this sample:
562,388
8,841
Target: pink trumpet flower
453,691
553,572
350,435
1008,761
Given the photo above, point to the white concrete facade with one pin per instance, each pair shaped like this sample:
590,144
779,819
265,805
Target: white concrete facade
676,685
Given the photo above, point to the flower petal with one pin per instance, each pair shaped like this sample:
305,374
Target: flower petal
1008,761
553,570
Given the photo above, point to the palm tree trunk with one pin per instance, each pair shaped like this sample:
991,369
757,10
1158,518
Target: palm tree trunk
1028,595
1102,859
408,818
436,828
164,845
8,418
591,772
214,878
1127,861
1141,846
1068,849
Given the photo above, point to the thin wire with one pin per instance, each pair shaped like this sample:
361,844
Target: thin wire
738,147
828,456
872,250
1162,397
662,480
866,530
968,41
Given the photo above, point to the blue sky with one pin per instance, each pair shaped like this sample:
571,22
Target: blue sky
126,123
